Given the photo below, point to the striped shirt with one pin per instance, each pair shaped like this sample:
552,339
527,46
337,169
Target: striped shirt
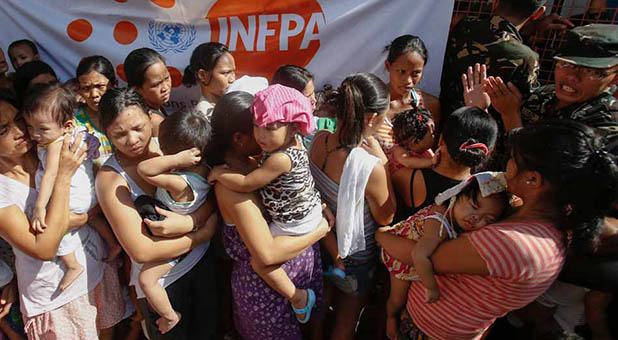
384,134
523,260
329,190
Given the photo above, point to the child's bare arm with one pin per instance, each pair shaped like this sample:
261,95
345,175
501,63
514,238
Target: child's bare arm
425,246
401,156
156,171
276,165
47,185
329,242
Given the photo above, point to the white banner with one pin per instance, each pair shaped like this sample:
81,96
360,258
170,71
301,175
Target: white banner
331,38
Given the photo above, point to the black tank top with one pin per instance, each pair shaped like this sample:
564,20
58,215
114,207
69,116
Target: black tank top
434,184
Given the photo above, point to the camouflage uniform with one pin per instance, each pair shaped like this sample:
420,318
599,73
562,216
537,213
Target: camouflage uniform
600,112
592,46
494,42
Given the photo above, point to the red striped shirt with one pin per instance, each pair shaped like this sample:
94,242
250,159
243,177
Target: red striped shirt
523,260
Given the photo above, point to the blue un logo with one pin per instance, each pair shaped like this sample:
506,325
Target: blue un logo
165,37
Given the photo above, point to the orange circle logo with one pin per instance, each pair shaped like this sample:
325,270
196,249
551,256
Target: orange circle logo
79,30
125,32
265,34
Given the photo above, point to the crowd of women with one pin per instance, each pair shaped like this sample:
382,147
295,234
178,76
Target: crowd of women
240,201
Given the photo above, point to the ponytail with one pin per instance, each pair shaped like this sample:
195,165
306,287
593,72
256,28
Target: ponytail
189,77
470,135
352,116
358,95
204,57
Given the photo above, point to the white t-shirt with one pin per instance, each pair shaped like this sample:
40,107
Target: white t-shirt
182,267
205,107
38,280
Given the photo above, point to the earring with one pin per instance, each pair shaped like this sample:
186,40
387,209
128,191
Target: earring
528,182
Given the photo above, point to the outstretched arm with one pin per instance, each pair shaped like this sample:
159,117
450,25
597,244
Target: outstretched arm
156,171
276,165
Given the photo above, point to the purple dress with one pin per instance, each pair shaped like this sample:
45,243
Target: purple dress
259,311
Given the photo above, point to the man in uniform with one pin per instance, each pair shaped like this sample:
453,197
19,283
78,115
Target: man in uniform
585,81
495,42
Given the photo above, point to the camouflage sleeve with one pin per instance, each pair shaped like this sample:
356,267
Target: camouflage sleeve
515,62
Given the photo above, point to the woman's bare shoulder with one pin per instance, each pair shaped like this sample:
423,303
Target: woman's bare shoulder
108,178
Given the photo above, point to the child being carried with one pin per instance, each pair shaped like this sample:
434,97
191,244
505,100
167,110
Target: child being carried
472,204
179,176
284,180
48,111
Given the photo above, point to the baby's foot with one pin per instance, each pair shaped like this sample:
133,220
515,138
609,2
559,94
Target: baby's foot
167,323
431,295
391,328
70,276
300,302
113,252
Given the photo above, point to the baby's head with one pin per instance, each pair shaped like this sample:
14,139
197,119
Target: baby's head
48,111
21,52
414,130
279,113
478,201
184,130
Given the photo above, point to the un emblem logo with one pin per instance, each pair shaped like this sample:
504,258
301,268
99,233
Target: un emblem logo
165,37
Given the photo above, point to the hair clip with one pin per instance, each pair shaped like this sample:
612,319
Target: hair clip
481,146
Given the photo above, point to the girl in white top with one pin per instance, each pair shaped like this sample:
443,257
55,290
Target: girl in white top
183,192
213,68
48,111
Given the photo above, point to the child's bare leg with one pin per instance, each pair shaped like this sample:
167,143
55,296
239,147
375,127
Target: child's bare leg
278,280
99,224
157,296
396,300
74,270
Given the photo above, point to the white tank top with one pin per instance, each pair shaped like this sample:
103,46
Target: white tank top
38,280
182,267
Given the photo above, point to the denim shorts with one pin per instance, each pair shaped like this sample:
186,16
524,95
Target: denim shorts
359,276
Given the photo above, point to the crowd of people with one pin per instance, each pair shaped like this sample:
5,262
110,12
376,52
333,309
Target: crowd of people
274,210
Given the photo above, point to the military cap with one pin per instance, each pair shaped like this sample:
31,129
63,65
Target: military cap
594,46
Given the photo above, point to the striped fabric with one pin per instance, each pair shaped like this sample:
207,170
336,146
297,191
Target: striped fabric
328,190
384,134
523,259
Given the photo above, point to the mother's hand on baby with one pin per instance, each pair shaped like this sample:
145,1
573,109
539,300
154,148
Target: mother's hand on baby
171,225
371,145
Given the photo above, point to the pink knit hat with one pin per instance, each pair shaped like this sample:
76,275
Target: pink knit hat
278,103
